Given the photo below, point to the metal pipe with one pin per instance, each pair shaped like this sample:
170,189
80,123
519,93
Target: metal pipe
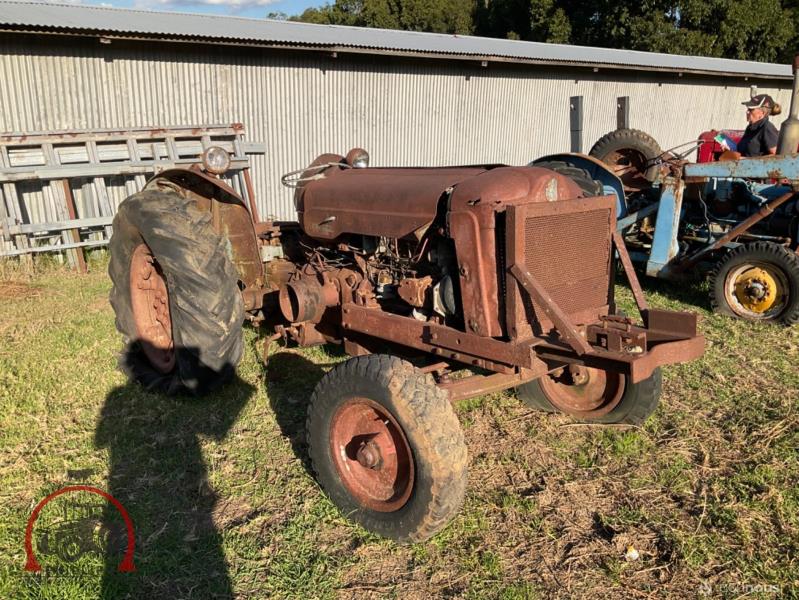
629,271
251,195
479,385
789,132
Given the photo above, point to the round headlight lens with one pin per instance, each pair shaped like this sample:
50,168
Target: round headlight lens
216,160
358,158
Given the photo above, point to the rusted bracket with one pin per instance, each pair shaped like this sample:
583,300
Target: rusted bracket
552,310
629,271
268,342
479,385
440,340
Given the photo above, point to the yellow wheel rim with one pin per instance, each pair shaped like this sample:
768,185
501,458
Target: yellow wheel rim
757,289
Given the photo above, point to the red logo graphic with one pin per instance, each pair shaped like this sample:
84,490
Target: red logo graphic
126,566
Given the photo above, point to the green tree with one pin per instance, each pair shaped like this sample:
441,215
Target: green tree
761,30
439,16
743,29
549,22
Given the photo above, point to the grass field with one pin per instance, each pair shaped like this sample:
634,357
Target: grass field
706,492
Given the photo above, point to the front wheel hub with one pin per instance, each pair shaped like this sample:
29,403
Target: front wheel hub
369,455
149,298
372,455
584,391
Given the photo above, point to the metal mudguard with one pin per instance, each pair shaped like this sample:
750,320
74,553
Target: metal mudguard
230,216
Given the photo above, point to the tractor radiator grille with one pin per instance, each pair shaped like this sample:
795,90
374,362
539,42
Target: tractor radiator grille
569,254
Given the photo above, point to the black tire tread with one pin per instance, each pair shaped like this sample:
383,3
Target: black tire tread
628,138
430,425
764,252
581,177
206,307
531,396
638,403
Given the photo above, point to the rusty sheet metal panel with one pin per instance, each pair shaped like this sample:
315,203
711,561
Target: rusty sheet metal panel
567,246
380,202
472,222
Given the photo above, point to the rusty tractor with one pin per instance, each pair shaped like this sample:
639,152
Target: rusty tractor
440,283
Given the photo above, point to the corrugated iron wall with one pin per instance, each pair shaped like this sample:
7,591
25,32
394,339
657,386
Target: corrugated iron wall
301,104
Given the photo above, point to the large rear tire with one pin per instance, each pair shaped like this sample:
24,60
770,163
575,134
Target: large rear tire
175,294
757,282
631,154
387,447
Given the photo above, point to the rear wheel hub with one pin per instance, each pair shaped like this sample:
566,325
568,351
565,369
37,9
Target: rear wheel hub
149,297
630,166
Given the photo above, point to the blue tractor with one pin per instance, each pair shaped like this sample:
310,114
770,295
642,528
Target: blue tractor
735,220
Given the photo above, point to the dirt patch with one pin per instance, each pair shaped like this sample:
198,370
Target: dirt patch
18,289
232,513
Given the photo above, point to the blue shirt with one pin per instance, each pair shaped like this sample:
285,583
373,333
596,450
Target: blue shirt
758,138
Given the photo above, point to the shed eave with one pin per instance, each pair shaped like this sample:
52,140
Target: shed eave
372,50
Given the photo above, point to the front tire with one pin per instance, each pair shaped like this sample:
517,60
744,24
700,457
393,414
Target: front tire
594,395
757,282
387,447
175,295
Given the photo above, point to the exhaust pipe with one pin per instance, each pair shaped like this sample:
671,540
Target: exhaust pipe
789,132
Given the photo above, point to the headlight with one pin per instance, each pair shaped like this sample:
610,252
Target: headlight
216,160
358,158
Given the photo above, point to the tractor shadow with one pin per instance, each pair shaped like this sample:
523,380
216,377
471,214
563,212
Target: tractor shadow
158,473
290,380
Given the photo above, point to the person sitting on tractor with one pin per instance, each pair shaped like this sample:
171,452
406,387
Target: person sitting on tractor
760,137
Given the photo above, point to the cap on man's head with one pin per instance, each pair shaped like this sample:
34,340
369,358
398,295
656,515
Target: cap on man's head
759,101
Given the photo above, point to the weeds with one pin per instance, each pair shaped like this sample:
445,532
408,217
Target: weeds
224,505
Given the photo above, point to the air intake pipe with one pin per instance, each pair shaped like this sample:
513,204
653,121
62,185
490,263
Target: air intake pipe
789,132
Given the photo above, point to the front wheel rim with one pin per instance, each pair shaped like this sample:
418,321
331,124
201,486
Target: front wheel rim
584,391
756,291
372,455
149,298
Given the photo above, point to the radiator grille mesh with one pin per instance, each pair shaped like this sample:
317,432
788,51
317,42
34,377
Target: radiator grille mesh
569,254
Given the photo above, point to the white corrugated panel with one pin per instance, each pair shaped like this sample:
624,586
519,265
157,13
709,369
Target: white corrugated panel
71,17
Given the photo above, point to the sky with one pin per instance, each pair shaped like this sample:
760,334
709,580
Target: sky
240,8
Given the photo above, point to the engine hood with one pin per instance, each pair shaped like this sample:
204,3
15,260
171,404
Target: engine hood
399,202
391,202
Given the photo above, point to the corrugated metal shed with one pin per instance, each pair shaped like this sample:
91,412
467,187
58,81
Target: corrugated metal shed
302,102
36,16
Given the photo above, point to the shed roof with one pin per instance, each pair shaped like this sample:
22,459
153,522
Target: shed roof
40,17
